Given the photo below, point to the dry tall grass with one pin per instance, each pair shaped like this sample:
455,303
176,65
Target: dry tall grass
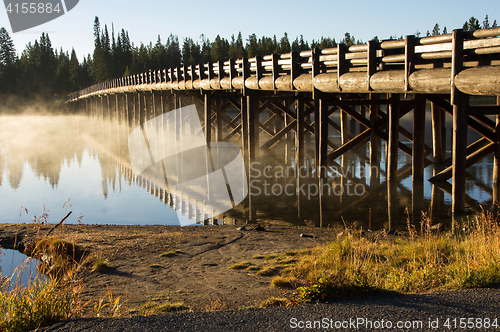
468,255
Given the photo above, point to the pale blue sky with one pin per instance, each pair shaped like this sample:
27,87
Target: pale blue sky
146,19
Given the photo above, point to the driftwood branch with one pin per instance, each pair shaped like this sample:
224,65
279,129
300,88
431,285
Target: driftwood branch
60,222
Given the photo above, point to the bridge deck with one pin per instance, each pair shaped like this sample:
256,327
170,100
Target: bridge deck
414,65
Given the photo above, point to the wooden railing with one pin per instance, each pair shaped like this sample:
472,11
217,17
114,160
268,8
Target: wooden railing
467,61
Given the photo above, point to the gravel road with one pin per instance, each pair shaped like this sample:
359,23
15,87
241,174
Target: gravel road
426,312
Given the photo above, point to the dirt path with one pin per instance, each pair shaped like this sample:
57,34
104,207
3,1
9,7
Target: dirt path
198,274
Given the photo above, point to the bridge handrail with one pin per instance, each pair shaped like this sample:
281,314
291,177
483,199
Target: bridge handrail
476,48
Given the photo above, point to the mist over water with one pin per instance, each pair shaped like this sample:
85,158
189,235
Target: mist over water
46,160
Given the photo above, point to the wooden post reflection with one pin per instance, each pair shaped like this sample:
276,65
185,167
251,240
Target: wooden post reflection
392,159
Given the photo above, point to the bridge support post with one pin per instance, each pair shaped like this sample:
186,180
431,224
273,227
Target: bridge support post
252,143
244,131
459,152
102,107
128,109
299,153
119,108
437,137
108,106
147,106
418,157
374,144
392,158
207,111
218,119
496,165
321,133
177,103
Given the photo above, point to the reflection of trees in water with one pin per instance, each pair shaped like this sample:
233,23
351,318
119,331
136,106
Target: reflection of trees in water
44,142
15,167
108,143
2,165
108,171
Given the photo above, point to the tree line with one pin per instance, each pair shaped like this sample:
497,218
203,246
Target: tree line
42,72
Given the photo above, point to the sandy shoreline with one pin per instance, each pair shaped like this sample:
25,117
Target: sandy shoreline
198,274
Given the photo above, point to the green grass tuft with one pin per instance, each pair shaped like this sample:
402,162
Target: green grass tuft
268,271
100,265
241,265
283,282
170,253
253,268
274,302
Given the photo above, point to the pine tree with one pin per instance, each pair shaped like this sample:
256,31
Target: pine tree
190,52
74,72
98,65
158,55
348,39
126,58
240,52
436,30
7,50
284,46
486,23
220,49
174,56
471,25
8,63
206,49
252,46
47,63
62,81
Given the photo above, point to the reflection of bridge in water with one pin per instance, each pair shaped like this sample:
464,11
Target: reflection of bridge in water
274,105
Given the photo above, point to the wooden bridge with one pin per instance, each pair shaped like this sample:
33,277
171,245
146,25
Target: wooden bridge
373,84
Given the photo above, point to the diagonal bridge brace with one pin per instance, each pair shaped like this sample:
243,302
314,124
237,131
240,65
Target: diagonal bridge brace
475,151
377,128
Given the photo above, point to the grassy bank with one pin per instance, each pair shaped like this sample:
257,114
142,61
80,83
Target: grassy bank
39,303
467,255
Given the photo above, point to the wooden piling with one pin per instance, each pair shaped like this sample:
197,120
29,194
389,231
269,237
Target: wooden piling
459,152
252,142
208,116
321,120
374,143
393,141
299,153
418,153
418,157
219,123
392,159
438,147
496,164
460,118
